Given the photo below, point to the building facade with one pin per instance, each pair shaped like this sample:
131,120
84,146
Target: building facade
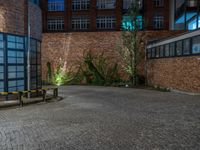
98,15
16,20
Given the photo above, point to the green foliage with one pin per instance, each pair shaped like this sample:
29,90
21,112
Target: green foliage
130,52
49,72
97,70
59,76
161,89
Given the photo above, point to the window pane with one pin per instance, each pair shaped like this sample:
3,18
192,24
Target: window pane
157,52
161,51
179,48
186,47
172,49
12,83
196,45
167,50
1,44
153,53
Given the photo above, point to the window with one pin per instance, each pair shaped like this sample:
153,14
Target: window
55,5
106,22
196,45
80,23
80,4
162,52
179,48
128,3
106,4
167,52
1,49
153,52
158,3
16,63
192,3
157,52
1,86
55,24
158,22
129,23
172,49
186,47
1,72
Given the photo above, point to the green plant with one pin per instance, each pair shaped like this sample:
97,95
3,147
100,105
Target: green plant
129,50
97,69
49,72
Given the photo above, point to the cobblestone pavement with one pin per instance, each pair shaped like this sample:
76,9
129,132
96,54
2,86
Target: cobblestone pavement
100,118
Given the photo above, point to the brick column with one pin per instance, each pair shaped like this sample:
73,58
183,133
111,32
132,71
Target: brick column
67,15
93,14
44,7
118,12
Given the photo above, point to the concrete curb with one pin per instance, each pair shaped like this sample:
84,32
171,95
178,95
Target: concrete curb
13,103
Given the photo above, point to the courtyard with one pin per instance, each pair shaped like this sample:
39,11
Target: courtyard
104,118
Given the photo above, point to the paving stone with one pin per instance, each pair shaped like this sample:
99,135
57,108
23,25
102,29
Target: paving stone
103,118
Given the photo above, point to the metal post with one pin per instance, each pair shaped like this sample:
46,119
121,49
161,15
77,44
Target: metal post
28,55
44,95
20,99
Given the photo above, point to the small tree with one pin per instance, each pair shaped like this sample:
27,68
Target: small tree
130,51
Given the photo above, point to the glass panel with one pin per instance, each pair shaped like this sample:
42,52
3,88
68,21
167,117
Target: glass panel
12,89
186,47
11,38
1,85
153,52
162,51
11,45
1,44
12,60
179,48
167,50
1,37
12,83
196,45
172,49
20,82
157,52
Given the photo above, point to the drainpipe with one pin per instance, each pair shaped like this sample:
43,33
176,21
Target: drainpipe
28,53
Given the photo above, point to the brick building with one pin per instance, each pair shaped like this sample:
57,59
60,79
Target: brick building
15,21
72,26
98,15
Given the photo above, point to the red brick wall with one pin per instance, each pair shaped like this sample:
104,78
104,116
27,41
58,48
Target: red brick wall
35,21
182,73
12,16
70,46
